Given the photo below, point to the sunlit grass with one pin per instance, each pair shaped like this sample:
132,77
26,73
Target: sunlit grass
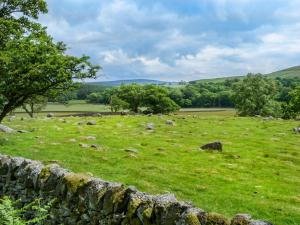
258,172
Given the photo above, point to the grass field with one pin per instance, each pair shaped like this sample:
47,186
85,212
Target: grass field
258,172
73,106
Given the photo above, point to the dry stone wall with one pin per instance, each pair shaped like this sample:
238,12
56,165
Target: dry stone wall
80,199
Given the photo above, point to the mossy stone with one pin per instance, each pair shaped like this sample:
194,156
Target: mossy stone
133,205
192,219
216,219
75,182
45,173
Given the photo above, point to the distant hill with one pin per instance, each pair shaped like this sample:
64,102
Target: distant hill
137,81
286,73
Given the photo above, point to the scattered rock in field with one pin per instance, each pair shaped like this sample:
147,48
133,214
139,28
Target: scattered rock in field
72,140
99,114
6,129
123,113
297,129
268,118
63,120
80,123
89,138
150,114
170,122
83,145
95,146
241,219
132,150
131,155
57,127
150,126
54,143
22,131
50,115
215,146
91,122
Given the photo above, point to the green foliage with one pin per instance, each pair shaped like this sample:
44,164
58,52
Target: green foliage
31,63
292,108
156,100
133,95
85,90
295,99
116,104
204,94
254,95
10,213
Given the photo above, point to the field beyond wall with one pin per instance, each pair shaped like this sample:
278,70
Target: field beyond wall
257,173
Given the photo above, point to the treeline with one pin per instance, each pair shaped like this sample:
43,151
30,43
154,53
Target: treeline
192,95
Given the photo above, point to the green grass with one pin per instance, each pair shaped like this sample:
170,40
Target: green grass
258,172
74,106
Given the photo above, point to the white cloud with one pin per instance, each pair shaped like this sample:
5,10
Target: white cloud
130,39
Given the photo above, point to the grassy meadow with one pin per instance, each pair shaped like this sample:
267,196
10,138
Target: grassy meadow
258,172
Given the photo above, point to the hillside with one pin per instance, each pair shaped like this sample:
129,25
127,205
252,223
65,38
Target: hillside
286,73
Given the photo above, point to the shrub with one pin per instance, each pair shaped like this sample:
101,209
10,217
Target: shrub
10,213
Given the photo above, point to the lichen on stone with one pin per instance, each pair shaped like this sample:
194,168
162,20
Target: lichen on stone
75,181
147,213
133,205
45,173
216,219
192,219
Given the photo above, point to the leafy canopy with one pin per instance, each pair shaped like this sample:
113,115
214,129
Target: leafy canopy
31,63
254,95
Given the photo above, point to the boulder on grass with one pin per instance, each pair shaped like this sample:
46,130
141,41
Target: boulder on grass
214,146
82,145
92,122
50,115
150,126
297,129
6,129
170,122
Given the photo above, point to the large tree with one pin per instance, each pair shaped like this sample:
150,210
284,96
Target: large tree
295,99
31,63
254,95
156,100
133,95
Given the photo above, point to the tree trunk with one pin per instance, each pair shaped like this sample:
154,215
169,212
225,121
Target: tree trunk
4,112
27,111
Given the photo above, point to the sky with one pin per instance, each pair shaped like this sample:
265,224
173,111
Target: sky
173,40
